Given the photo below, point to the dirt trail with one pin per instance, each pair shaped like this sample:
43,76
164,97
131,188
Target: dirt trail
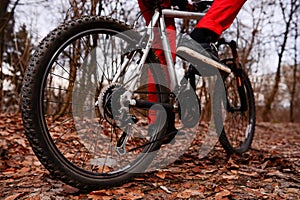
270,170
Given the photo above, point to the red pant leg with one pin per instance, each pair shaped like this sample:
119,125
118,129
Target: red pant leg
171,33
158,50
221,15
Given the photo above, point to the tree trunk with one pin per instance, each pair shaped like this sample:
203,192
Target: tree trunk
3,22
292,100
287,19
270,100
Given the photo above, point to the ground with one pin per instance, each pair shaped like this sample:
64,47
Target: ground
269,170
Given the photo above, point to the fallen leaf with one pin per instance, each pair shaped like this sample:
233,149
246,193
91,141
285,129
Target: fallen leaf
101,193
9,171
164,188
185,194
264,165
293,190
34,196
14,196
161,174
139,179
252,174
5,133
232,164
189,193
275,173
231,177
209,171
201,189
92,196
222,194
133,195
197,169
24,170
120,191
69,189
268,180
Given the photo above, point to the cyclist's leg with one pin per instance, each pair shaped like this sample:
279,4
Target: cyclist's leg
196,48
157,44
170,29
158,50
221,15
218,18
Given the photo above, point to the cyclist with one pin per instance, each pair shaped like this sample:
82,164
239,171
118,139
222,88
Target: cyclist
195,47
218,18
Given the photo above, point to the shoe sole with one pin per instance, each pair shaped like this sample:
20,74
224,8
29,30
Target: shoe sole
194,57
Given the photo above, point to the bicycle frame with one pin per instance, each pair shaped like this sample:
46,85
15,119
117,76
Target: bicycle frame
159,17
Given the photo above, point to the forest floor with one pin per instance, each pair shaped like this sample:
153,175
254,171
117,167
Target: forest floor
269,170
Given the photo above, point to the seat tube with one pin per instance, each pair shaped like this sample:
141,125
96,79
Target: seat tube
148,46
168,54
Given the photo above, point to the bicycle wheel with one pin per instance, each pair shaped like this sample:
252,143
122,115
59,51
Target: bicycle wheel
235,114
72,108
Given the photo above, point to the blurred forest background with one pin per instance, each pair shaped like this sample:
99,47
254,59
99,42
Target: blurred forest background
267,33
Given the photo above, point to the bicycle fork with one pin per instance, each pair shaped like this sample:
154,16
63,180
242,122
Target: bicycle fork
236,68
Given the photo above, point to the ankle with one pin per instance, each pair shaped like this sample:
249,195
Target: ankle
203,35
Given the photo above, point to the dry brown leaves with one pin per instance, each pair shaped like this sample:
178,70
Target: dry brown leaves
271,170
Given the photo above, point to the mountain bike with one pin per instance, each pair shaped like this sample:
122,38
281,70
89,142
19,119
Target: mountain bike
86,104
